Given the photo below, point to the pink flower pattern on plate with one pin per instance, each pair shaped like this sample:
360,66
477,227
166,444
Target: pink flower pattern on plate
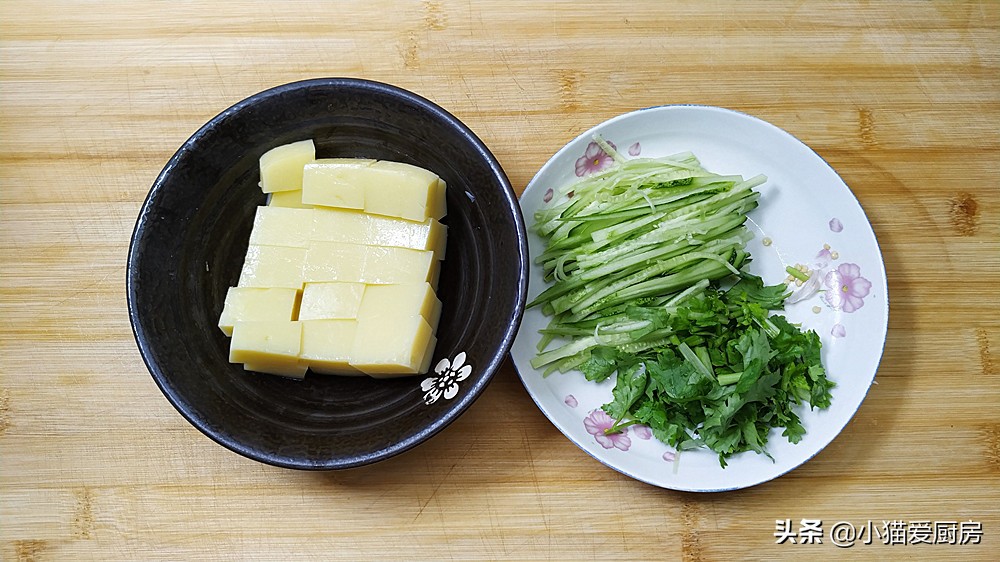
634,150
597,422
571,401
847,288
824,257
838,331
594,159
642,432
836,225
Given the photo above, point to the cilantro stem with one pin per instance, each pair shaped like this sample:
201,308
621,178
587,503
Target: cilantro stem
797,274
726,379
619,425
694,360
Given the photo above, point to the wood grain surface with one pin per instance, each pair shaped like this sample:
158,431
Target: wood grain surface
902,98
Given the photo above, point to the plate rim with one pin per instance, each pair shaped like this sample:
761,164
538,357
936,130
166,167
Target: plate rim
853,200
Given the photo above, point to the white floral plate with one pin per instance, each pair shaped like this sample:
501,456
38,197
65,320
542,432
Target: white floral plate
807,215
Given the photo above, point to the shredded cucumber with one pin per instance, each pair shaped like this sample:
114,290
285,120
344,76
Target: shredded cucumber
636,238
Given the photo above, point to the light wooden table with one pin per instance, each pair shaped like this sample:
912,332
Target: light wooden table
902,98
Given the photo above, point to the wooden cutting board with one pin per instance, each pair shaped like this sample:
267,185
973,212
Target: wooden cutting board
902,99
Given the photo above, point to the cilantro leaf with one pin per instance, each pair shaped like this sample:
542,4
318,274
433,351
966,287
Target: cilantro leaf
602,362
630,386
751,288
720,372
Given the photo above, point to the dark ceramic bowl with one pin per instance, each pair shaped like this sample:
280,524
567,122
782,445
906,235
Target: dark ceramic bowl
191,237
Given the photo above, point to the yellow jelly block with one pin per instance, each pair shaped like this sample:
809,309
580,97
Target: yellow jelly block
334,261
326,346
341,270
404,299
332,182
428,235
282,226
339,225
374,265
291,199
268,347
336,300
401,190
440,200
440,209
294,371
425,364
257,304
395,334
385,188
435,275
281,167
390,346
387,265
273,266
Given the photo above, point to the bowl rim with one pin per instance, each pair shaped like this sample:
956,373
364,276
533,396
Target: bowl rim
457,407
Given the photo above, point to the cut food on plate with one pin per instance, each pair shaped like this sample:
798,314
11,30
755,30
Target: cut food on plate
637,258
804,214
341,270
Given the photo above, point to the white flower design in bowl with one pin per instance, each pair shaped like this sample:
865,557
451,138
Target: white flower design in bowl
449,374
